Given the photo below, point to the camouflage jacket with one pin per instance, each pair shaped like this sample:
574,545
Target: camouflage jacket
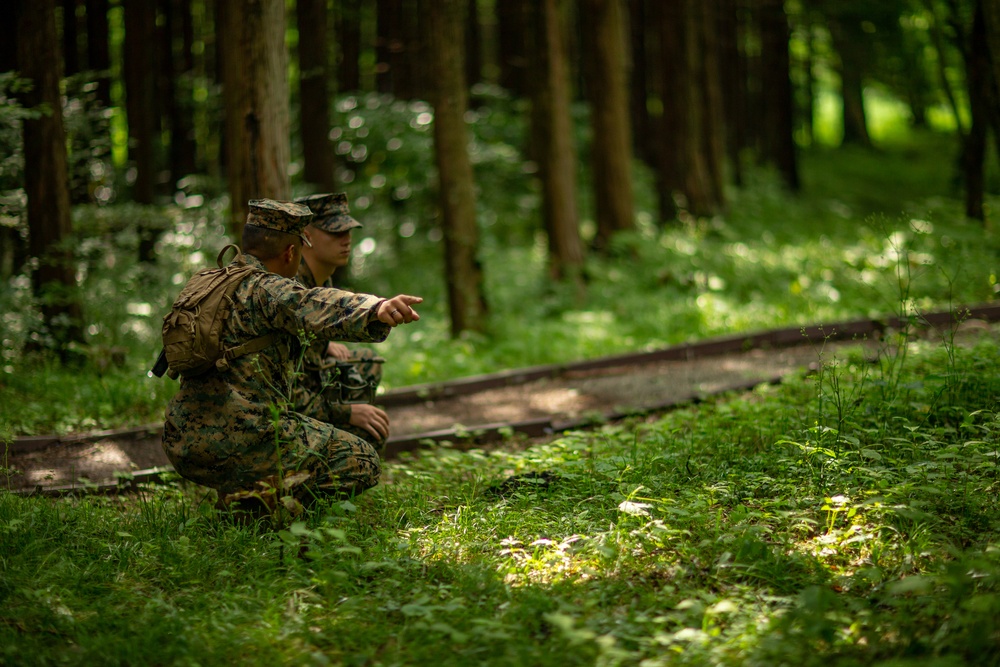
220,428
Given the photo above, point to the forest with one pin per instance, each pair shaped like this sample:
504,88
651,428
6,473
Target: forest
559,180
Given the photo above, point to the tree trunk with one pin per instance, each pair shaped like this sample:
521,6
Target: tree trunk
457,197
937,40
143,120
713,134
642,125
180,68
779,139
46,176
848,40
687,118
673,120
255,90
473,45
388,44
513,28
733,84
314,98
556,154
349,38
410,81
978,78
71,37
611,150
991,27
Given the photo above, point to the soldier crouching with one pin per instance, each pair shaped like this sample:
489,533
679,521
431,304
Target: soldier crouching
234,429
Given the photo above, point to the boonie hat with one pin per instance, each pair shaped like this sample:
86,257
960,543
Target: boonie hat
281,216
330,211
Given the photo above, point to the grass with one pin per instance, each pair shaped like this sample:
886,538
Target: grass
847,517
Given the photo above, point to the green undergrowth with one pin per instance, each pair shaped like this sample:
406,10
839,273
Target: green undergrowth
846,517
872,233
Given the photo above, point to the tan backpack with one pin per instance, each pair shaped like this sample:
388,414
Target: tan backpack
192,330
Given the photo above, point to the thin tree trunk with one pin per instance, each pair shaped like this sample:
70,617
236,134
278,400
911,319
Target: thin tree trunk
473,45
349,39
317,151
978,73
942,66
555,150
513,28
255,90
466,302
673,121
46,176
730,83
71,37
183,150
611,152
140,94
779,141
713,134
642,126
847,38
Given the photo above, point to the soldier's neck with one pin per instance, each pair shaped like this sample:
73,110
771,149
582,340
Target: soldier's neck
321,272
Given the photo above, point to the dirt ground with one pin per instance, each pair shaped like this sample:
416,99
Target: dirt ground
571,396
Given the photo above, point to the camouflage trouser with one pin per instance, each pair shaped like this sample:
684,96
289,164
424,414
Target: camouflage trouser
344,465
317,461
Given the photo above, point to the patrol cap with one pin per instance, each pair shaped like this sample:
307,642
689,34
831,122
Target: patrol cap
281,216
330,211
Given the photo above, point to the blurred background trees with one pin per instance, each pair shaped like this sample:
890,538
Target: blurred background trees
179,104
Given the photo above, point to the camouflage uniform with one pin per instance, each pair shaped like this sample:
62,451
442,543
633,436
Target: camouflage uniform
233,429
320,381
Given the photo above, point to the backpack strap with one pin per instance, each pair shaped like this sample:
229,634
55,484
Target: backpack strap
239,255
249,347
254,344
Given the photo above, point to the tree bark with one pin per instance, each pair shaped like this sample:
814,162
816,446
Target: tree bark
464,276
98,53
978,78
141,110
673,75
733,69
140,94
71,37
349,38
388,44
179,70
46,176
642,125
991,27
314,97
713,135
255,91
848,40
513,28
473,45
779,140
554,148
611,150
688,122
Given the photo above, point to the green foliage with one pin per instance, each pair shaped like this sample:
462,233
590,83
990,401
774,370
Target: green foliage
760,529
773,259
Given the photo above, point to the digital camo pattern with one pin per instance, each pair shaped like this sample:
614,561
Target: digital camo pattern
330,212
319,393
229,429
281,216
